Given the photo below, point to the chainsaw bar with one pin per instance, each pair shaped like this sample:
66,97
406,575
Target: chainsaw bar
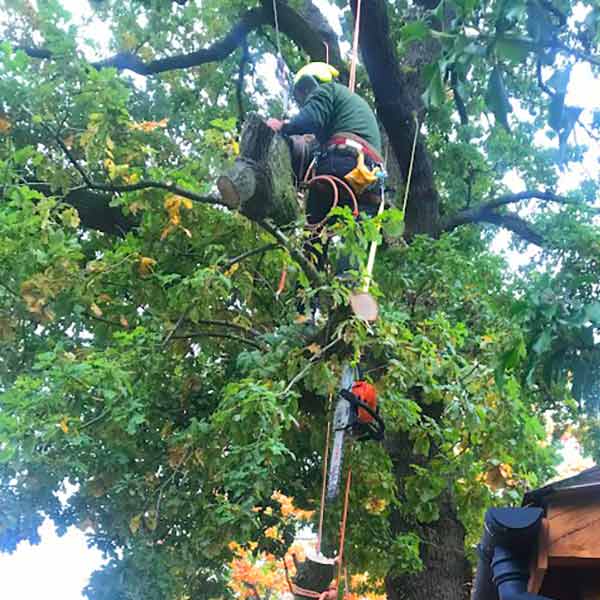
341,422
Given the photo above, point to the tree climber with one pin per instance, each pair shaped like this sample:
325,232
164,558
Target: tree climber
348,136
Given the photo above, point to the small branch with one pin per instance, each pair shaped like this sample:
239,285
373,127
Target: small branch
310,363
540,79
253,589
212,334
140,185
219,323
311,272
252,252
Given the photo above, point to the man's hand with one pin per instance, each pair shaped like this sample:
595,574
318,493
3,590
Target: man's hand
274,124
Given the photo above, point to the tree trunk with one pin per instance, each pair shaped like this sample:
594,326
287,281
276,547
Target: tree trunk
261,182
446,573
398,100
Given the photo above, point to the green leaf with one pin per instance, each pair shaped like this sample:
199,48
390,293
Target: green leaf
414,31
496,98
435,94
543,343
515,50
592,312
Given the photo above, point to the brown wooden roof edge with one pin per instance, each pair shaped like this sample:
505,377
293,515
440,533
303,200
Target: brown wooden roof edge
586,480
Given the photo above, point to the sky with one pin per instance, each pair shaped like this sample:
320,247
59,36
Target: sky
59,567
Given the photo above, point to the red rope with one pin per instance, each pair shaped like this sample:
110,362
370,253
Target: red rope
352,82
343,526
324,486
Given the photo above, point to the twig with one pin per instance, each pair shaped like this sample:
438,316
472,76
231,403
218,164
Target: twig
252,252
306,367
311,272
226,336
169,336
133,187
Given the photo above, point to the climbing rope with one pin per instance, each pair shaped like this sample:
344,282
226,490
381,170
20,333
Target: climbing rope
281,66
352,81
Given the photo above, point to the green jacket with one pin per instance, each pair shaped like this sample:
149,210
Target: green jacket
333,108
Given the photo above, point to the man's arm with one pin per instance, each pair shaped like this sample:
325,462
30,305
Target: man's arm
314,116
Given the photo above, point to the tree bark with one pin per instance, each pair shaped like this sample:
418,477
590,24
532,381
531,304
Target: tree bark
446,572
261,183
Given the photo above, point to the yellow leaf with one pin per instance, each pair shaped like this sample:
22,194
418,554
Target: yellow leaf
272,533
176,455
133,178
135,207
147,126
199,457
63,425
151,520
314,348
165,232
146,265
96,310
4,125
187,203
134,523
70,217
234,267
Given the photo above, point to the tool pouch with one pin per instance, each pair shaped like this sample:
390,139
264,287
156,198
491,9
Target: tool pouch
361,177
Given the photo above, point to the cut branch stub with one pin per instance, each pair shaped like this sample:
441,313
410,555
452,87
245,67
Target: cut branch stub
261,182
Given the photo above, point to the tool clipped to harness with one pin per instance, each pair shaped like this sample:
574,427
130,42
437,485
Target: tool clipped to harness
361,177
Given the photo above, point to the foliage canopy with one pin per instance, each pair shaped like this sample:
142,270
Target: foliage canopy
144,355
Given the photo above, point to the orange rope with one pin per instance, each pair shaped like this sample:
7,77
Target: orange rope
343,526
324,486
282,279
352,82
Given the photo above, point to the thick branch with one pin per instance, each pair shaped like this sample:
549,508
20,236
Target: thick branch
133,187
485,212
308,32
509,221
536,195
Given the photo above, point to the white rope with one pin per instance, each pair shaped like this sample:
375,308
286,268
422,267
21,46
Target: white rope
277,29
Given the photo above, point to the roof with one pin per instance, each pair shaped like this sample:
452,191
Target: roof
585,481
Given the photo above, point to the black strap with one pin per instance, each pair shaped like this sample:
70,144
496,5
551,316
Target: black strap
375,430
